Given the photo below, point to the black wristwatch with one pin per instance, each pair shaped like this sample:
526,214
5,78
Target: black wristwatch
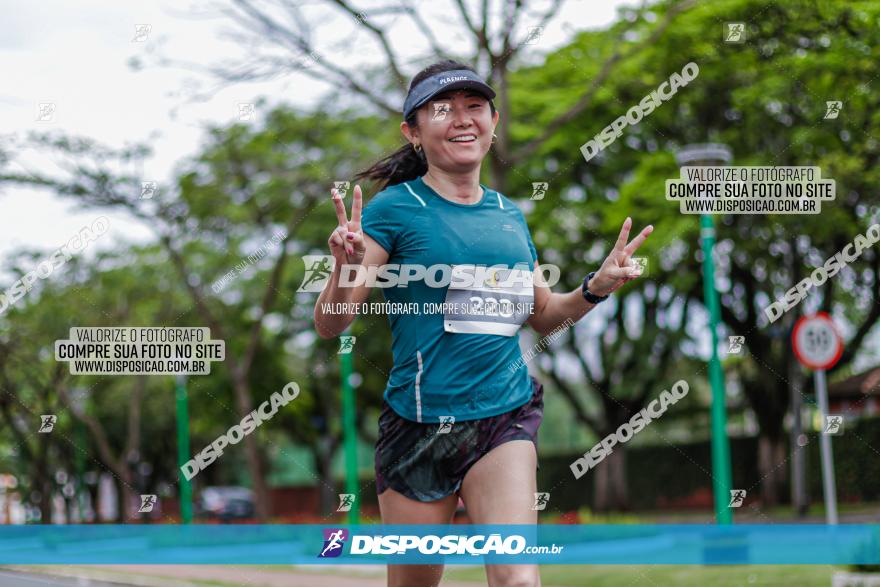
591,297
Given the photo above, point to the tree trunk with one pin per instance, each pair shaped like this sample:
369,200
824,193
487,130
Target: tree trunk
45,485
323,456
609,483
126,496
772,468
255,467
798,471
43,479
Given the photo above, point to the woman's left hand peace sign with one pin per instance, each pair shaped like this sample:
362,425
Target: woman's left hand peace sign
618,267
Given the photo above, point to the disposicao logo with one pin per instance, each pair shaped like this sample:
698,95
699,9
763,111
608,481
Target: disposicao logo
334,540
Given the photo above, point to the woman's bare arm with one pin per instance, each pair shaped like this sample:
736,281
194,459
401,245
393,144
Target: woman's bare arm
349,246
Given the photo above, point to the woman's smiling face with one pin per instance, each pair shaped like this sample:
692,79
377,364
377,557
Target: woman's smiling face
455,129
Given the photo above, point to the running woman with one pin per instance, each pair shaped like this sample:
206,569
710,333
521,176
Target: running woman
433,210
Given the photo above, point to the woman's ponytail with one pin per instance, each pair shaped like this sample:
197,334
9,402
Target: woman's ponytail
402,165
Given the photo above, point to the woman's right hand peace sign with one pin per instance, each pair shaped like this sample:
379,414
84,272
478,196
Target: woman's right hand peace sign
618,268
347,241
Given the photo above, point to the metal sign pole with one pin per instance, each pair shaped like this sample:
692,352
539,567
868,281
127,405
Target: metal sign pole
825,444
818,346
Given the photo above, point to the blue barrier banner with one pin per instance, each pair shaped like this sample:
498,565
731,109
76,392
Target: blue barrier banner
450,544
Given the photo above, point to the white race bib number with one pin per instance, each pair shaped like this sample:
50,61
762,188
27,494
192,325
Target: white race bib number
488,300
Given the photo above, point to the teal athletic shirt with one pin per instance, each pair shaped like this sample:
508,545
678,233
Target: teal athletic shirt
439,373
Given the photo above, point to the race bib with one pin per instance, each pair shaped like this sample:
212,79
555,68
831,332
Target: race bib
488,300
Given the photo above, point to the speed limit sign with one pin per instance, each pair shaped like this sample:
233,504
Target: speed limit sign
818,346
816,343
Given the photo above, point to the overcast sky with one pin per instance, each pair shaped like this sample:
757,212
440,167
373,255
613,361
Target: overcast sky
75,55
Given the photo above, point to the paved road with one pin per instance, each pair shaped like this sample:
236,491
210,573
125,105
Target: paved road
198,575
15,579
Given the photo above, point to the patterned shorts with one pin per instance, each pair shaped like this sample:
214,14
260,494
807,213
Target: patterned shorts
414,459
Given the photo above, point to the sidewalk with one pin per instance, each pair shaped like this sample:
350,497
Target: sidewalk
232,575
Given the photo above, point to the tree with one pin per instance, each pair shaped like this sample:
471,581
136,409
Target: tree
116,413
213,226
766,100
626,363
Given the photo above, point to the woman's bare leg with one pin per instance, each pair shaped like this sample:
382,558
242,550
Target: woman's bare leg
399,509
500,489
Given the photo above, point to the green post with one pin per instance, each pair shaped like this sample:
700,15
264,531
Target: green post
349,432
183,450
720,445
81,470
79,397
713,154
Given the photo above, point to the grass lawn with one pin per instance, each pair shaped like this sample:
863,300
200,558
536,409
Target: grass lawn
551,575
664,575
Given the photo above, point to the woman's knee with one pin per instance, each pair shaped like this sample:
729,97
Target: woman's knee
414,575
512,575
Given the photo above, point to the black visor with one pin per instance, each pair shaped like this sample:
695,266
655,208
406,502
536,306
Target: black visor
457,79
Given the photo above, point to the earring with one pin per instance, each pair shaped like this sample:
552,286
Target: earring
417,148
494,138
